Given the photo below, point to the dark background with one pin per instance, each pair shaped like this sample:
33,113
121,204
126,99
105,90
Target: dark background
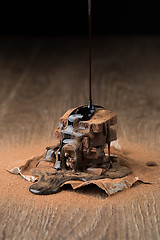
71,18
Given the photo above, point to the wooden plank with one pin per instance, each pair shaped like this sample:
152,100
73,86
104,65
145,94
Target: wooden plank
37,80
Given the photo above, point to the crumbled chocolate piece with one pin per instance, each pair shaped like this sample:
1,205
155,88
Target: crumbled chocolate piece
83,141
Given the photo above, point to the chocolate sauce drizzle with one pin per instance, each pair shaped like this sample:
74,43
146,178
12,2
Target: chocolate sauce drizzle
90,105
82,113
86,112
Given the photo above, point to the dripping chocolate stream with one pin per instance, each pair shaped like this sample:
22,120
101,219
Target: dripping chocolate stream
82,113
90,55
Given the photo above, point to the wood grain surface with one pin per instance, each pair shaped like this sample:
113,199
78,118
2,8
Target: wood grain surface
40,79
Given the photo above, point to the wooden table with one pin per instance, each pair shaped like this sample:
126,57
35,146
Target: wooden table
39,80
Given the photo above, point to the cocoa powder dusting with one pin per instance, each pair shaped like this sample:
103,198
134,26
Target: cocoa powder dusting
13,187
